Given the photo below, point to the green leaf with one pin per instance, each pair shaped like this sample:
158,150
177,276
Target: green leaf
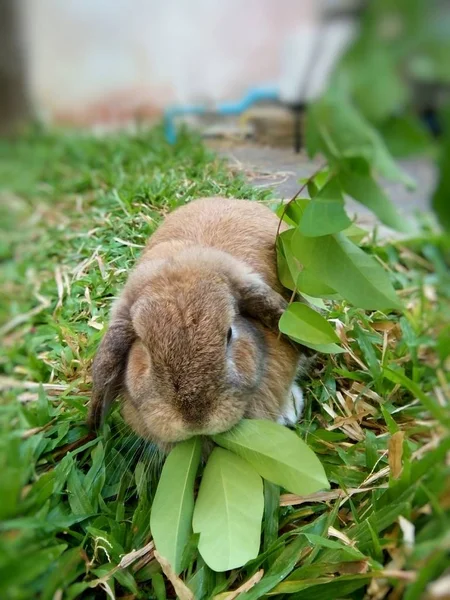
389,95
441,196
338,130
308,283
292,274
228,511
79,495
325,213
17,571
327,348
66,569
430,404
313,301
358,183
12,482
271,513
173,505
347,551
355,234
294,210
305,325
280,569
406,136
355,275
317,183
284,258
323,588
278,455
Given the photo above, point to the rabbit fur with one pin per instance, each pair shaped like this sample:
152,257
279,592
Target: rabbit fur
193,344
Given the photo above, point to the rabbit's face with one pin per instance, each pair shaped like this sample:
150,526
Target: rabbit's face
195,363
185,347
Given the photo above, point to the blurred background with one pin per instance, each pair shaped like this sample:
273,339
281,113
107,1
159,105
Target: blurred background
101,61
110,62
240,73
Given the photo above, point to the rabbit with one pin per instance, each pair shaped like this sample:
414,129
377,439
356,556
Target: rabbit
193,344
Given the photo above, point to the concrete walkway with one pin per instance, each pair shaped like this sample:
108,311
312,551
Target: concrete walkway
281,169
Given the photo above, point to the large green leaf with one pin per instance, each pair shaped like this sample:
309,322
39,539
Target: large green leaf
284,260
277,453
308,283
355,275
306,325
325,213
358,183
337,129
173,505
228,511
292,274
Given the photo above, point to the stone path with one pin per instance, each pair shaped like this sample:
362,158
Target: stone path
281,169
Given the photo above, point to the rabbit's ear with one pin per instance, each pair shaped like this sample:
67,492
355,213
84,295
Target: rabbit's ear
258,300
109,365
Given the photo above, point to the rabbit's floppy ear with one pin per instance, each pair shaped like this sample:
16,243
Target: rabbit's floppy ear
109,365
257,299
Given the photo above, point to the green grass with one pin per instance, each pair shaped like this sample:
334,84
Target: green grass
75,212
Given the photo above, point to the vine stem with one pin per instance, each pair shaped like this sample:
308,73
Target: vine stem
295,291
287,204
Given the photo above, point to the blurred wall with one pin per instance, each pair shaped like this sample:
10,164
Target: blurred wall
109,60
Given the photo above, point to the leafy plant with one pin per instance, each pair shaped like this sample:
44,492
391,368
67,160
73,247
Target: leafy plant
404,44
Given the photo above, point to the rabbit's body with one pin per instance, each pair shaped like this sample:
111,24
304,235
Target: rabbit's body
242,228
193,344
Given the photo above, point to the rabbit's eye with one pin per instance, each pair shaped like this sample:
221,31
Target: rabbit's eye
229,335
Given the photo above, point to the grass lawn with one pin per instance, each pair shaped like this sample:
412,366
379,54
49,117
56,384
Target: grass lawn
75,214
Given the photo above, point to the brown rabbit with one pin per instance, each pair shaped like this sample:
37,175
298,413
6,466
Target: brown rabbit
193,343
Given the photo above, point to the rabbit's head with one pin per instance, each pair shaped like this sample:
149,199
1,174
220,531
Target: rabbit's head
185,347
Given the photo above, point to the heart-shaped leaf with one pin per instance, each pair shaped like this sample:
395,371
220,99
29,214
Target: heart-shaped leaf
342,265
292,274
277,453
292,211
306,325
325,213
308,283
228,511
173,505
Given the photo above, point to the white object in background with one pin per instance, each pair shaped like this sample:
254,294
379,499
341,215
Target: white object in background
309,57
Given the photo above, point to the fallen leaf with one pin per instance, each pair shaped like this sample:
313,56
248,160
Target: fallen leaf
181,589
353,567
132,556
396,453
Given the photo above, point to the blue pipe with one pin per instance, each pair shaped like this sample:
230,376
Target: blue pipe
258,94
